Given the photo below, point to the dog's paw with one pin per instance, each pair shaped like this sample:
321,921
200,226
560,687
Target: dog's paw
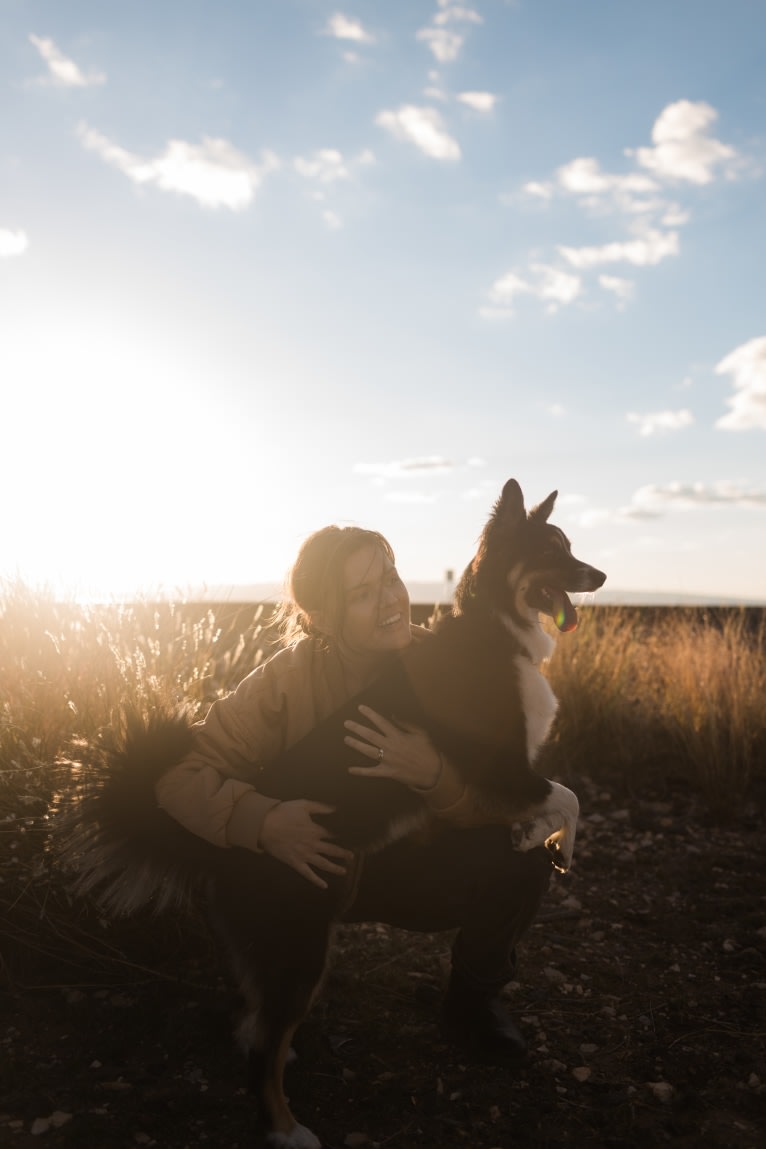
554,826
299,1137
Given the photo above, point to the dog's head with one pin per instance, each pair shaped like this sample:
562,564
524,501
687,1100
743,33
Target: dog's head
524,565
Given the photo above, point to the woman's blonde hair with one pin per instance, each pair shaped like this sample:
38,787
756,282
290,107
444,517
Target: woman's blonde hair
315,581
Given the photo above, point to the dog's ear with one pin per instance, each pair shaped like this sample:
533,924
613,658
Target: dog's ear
541,512
507,516
510,506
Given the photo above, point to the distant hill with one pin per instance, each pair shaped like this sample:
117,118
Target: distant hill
434,593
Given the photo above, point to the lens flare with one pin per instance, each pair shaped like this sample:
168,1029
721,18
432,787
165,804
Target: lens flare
563,622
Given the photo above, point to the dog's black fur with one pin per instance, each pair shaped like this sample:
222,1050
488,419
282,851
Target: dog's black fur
463,685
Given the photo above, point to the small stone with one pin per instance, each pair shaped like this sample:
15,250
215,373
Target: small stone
555,1066
59,1118
662,1090
555,976
356,1140
39,1126
581,1073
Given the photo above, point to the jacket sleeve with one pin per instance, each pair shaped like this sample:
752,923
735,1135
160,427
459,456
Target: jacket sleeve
240,730
452,800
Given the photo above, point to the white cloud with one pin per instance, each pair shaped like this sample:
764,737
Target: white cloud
661,422
646,250
214,173
433,93
12,243
553,286
444,42
62,71
584,176
456,13
406,468
326,166
653,499
683,149
539,190
478,101
329,166
747,366
623,289
423,127
344,27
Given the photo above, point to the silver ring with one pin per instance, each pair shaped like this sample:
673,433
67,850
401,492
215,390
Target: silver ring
380,754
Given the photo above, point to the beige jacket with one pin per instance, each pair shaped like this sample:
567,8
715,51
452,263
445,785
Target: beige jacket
272,709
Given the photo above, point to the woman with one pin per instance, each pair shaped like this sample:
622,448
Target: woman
347,611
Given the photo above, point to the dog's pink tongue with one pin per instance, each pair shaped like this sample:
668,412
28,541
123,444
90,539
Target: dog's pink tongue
563,612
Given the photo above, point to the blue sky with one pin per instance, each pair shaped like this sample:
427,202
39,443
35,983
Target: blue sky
270,265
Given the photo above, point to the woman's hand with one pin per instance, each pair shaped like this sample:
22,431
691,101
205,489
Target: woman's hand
408,755
290,834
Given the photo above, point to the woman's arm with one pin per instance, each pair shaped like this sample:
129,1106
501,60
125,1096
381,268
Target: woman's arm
410,757
268,711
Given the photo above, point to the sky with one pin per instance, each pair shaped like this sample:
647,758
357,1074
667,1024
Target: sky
274,264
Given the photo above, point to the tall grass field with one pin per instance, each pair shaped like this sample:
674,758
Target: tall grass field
648,699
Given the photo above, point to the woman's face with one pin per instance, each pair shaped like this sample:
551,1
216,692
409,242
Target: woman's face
377,607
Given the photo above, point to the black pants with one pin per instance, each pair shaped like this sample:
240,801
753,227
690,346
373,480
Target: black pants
470,880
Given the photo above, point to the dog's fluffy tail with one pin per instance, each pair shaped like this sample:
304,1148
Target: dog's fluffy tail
125,852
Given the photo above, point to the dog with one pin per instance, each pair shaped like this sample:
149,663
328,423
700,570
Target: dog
475,686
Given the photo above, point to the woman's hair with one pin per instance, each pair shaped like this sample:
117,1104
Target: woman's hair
315,582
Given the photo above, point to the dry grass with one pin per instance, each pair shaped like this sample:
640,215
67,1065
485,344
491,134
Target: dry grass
673,693
642,693
643,697
66,670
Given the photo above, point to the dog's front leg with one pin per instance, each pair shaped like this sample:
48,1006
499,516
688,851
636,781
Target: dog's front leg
552,824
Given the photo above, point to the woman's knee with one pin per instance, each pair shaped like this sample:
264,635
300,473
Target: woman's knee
490,853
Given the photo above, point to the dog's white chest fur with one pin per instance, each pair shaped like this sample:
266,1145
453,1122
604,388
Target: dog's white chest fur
539,704
537,699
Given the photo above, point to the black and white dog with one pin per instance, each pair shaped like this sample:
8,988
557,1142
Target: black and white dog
476,687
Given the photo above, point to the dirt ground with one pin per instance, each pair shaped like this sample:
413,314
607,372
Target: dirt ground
641,991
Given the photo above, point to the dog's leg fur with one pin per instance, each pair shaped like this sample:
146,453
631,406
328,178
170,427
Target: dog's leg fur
553,824
277,929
